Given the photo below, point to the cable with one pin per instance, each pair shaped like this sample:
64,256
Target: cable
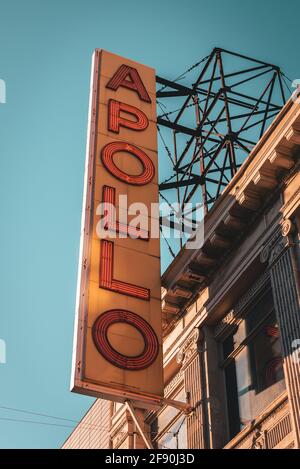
281,72
164,447
182,75
35,422
284,81
161,108
48,424
179,428
89,425
174,434
166,146
80,423
169,179
166,114
37,413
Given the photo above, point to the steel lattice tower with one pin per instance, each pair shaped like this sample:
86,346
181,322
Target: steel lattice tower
218,118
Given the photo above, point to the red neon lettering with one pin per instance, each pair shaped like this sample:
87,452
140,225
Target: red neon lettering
100,338
109,200
142,179
115,121
128,77
106,279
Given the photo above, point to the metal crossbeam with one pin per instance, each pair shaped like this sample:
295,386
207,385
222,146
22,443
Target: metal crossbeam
223,107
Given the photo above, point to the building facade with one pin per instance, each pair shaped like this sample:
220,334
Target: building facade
231,319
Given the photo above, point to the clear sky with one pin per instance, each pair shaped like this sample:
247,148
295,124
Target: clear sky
45,56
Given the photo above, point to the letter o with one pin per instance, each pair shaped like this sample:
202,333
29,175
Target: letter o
100,338
107,155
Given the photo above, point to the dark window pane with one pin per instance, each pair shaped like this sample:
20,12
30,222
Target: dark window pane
266,355
175,437
255,377
260,311
167,415
232,400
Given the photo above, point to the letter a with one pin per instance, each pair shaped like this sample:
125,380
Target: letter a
128,77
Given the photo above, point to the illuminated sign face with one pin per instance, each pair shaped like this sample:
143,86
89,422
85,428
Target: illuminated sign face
118,345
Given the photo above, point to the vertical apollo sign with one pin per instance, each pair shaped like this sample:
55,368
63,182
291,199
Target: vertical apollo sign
118,345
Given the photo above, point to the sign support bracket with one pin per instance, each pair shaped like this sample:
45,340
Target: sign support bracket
183,406
130,408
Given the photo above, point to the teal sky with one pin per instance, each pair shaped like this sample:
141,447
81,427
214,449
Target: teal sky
45,56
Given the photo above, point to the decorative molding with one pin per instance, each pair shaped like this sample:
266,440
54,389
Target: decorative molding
293,201
286,300
268,246
291,445
287,228
189,347
181,292
275,246
264,430
278,249
168,308
265,437
258,439
274,159
173,384
278,432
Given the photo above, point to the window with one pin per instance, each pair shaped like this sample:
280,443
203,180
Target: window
252,361
169,428
175,437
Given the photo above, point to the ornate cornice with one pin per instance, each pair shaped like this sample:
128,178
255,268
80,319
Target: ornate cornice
268,246
277,244
287,228
255,187
189,348
173,384
270,252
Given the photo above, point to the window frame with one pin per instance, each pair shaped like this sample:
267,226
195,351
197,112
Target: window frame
179,388
229,330
245,341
